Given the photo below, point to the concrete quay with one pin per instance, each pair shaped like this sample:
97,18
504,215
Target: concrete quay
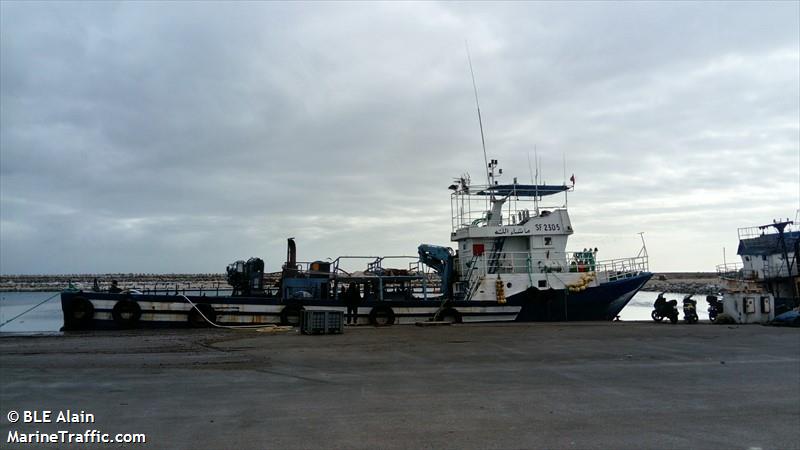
609,385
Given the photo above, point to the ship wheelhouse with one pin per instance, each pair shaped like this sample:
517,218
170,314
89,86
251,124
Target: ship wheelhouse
513,237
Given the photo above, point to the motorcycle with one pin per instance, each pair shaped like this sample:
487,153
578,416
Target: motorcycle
714,307
665,308
690,309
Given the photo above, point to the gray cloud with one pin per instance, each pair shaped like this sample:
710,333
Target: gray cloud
176,137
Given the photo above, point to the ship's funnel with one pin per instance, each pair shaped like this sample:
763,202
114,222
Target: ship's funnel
291,254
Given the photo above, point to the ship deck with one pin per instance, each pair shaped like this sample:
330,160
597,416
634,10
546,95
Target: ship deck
541,385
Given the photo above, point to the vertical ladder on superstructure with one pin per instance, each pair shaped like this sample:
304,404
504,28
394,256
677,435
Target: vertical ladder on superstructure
497,249
492,266
472,285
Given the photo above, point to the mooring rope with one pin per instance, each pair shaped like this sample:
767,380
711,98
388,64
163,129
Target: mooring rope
30,309
194,306
230,327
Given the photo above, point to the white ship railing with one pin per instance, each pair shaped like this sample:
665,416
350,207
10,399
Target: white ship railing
734,271
753,232
469,209
618,269
737,272
553,261
764,230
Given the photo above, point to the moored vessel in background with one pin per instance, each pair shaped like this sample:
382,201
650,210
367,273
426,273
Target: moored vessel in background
765,283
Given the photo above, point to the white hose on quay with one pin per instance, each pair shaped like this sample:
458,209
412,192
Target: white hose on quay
230,327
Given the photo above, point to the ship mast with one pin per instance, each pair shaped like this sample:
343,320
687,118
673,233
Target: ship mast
480,121
781,226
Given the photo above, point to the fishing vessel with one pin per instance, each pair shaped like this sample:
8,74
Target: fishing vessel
509,262
766,282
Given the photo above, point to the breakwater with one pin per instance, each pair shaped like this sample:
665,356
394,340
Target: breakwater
692,282
700,283
141,281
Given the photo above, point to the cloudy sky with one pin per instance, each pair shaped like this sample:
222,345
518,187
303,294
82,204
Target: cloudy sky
179,137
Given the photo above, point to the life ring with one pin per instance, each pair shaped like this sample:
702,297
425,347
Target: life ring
292,315
449,315
195,316
78,313
381,316
126,313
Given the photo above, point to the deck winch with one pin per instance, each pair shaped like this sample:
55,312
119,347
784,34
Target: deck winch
246,278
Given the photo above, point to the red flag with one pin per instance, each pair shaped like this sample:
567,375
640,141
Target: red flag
572,178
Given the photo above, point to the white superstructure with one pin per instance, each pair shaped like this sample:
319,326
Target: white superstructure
508,241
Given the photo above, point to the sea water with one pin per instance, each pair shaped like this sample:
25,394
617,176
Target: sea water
641,305
47,318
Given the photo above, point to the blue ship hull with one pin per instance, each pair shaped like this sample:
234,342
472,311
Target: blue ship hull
603,302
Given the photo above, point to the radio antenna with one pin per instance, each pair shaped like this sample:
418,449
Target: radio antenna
536,182
480,121
530,169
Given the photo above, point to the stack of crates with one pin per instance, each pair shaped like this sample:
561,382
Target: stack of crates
322,322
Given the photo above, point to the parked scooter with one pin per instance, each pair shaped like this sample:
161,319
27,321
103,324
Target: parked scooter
714,307
665,308
690,309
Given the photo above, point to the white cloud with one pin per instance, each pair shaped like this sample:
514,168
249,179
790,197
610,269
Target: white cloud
178,137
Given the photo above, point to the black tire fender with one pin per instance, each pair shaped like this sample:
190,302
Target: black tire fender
292,315
381,316
127,313
196,319
449,315
78,313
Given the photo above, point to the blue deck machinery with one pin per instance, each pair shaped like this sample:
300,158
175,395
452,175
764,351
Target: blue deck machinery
439,259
